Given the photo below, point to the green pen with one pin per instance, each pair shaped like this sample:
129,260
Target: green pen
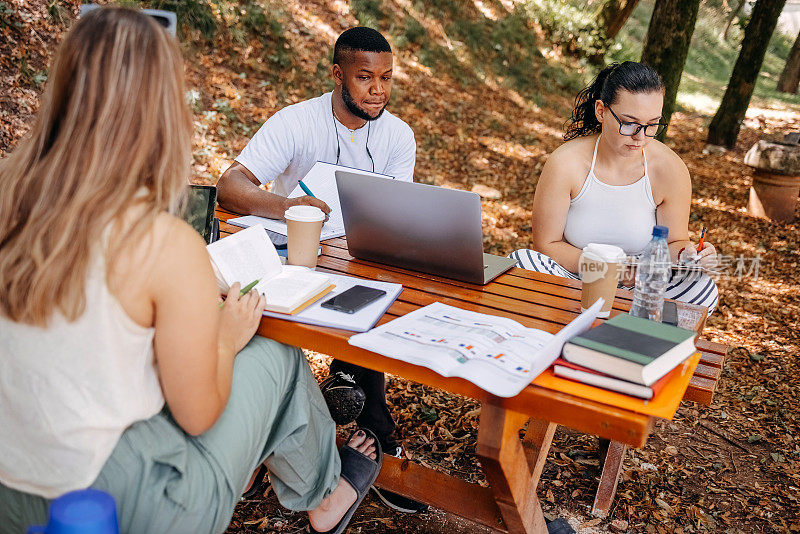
246,289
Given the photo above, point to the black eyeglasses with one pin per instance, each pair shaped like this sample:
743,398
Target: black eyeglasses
632,128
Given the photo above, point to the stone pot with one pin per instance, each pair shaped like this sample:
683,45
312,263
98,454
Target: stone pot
776,181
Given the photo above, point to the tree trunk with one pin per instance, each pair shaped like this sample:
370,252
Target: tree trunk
724,127
613,15
790,77
733,16
666,46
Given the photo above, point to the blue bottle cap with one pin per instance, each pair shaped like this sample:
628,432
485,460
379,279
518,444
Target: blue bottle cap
85,511
660,232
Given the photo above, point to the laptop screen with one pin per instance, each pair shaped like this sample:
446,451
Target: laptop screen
198,210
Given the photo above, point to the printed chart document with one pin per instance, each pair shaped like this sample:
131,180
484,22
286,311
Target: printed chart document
360,321
249,255
321,180
497,354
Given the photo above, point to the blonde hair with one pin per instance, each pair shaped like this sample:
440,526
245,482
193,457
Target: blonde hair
113,131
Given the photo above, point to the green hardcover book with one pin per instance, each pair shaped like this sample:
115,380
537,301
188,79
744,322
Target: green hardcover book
631,348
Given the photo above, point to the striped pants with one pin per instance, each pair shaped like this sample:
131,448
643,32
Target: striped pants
694,288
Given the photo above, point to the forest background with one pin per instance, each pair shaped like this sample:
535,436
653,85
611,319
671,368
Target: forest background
487,86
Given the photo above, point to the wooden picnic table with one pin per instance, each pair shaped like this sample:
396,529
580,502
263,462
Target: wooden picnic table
512,465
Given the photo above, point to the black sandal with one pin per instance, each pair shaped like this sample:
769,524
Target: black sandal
559,526
360,472
260,485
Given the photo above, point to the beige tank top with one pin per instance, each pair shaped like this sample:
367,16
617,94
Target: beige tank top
68,391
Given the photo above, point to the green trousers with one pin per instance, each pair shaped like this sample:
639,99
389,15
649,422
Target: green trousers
165,480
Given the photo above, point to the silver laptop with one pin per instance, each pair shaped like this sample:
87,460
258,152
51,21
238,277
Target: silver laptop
416,226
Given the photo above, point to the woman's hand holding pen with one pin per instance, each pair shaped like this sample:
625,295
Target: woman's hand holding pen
706,258
704,254
239,318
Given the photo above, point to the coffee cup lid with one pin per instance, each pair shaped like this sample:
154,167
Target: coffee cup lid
606,253
304,213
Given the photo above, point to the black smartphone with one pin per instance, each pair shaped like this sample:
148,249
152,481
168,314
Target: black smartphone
669,314
353,299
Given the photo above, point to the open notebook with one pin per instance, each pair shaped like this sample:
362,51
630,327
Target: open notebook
249,255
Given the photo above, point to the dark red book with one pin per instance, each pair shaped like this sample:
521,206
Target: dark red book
578,373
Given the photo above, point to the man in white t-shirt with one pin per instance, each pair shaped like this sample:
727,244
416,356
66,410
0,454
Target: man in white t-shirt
349,126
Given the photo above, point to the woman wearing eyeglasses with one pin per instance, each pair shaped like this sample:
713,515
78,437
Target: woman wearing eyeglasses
611,182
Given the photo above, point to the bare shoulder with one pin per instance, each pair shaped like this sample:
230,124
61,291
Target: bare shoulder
669,176
663,164
177,240
168,251
169,240
576,152
572,160
182,272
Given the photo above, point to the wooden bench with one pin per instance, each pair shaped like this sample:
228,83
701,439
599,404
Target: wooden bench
701,389
704,382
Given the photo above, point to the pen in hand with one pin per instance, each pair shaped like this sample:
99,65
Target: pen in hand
246,289
305,189
308,192
702,238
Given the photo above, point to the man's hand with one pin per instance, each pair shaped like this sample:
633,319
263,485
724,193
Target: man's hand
307,200
238,191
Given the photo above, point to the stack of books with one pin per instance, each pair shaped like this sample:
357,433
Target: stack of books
626,354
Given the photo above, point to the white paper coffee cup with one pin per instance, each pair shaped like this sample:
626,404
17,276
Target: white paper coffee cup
600,267
303,227
304,213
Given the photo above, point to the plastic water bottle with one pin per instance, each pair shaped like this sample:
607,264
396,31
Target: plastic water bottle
652,275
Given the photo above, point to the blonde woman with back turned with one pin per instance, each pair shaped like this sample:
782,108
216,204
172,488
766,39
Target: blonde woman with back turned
118,369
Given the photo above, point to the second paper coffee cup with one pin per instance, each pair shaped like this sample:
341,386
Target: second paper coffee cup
303,227
599,268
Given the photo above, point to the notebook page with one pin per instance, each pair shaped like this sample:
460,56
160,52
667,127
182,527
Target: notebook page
321,180
495,353
361,320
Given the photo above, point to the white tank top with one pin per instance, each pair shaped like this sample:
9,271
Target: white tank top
68,391
621,215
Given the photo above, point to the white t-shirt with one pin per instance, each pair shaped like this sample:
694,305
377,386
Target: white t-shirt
295,138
